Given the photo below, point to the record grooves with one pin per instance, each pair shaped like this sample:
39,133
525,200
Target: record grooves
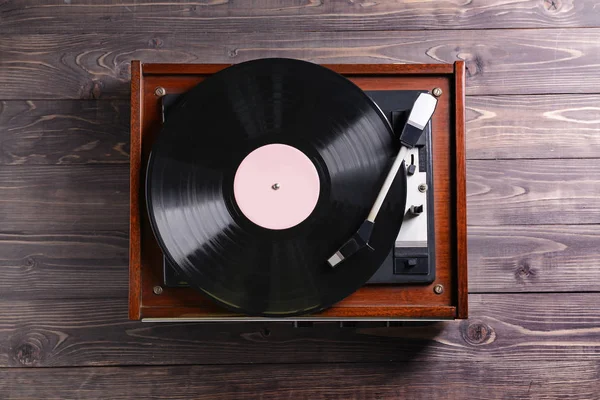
197,218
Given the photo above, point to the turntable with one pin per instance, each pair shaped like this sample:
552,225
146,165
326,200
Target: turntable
281,189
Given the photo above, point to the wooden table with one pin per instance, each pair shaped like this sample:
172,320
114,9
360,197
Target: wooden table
533,143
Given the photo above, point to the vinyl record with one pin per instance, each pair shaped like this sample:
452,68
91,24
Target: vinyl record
260,173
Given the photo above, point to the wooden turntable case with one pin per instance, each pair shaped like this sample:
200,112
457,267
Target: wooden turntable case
446,298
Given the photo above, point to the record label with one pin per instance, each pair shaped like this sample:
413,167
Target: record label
276,186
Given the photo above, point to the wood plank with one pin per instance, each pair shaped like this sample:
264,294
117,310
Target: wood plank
58,66
533,192
498,127
545,258
410,380
460,184
135,176
85,265
109,16
553,126
65,206
501,328
549,258
44,199
64,132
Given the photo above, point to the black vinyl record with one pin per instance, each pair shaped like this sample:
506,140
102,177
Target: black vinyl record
193,210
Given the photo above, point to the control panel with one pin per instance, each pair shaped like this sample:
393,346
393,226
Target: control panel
412,260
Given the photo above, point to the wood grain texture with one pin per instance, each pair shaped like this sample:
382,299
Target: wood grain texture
135,277
533,192
58,66
460,185
546,258
549,258
64,132
410,380
498,127
63,266
553,126
532,138
501,329
351,70
196,18
82,198
68,199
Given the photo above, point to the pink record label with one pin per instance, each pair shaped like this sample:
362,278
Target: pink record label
276,186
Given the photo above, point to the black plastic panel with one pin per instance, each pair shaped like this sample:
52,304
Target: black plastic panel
396,105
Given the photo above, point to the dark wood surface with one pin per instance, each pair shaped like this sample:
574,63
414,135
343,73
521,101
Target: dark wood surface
498,127
501,328
411,380
29,16
64,132
533,123
498,61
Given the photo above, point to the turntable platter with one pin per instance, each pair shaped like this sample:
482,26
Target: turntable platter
260,173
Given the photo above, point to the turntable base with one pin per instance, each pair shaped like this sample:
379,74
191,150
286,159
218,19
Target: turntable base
445,298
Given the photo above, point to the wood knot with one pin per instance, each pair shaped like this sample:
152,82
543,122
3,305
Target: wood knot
124,71
27,354
524,272
474,65
477,333
155,43
30,263
552,5
91,90
232,53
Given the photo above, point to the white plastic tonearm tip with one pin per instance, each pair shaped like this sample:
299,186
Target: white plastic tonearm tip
422,110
